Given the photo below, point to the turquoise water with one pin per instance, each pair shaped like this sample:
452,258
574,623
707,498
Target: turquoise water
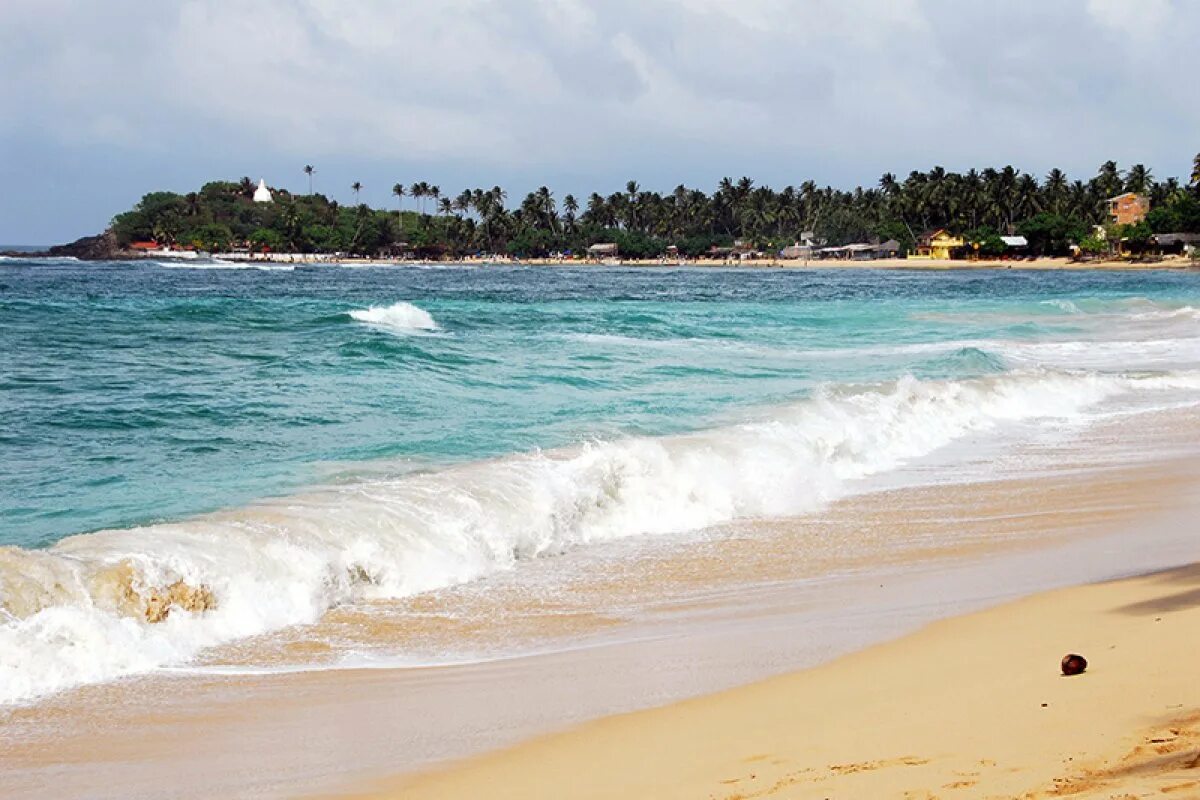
284,442
131,394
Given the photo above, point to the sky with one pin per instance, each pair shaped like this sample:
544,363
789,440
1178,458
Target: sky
101,102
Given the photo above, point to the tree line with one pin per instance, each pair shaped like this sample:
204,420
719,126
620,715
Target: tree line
1054,213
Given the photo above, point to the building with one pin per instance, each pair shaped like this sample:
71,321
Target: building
797,251
1015,246
604,250
396,250
1128,208
859,251
1175,243
262,194
888,249
939,245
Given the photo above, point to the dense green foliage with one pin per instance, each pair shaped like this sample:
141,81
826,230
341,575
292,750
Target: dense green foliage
1053,214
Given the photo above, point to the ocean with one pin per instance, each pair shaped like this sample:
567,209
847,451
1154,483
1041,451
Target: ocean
199,456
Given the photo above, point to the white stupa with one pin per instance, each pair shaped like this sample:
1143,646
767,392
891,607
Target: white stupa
262,194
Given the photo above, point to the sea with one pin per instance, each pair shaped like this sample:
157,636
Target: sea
198,456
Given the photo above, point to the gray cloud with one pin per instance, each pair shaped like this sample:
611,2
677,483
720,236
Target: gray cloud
113,99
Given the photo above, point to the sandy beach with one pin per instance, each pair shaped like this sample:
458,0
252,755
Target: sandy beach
958,703
1039,264
973,707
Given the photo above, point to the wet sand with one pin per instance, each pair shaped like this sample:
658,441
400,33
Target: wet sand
973,707
702,617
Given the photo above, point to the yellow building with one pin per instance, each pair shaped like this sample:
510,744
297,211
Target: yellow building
940,245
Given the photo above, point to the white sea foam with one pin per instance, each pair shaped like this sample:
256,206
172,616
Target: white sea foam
401,316
38,260
220,264
76,612
1066,306
1183,312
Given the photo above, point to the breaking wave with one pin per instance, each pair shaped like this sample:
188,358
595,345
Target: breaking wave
221,264
397,317
120,602
1065,306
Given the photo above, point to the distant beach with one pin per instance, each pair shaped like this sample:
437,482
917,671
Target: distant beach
1173,262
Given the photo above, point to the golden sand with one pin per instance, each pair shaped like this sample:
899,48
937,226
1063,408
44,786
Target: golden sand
973,707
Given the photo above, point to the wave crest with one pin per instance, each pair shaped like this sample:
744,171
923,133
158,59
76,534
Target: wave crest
397,317
118,602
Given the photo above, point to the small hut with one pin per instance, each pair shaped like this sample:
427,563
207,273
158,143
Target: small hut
1175,243
604,250
1015,246
797,251
888,249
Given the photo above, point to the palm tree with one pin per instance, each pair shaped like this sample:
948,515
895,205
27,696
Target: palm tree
597,212
291,224
309,170
1108,180
462,203
1001,199
546,210
398,191
1055,190
571,209
1138,179
499,196
357,187
1025,200
420,191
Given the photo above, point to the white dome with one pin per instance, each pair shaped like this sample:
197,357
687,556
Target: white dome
262,194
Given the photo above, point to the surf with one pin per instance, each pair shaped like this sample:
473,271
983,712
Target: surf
399,317
102,605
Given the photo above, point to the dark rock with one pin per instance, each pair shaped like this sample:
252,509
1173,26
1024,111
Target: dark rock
102,247
1073,664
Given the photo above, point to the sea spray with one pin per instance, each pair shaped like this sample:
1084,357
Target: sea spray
120,602
402,317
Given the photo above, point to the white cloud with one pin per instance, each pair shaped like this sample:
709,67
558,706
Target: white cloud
540,88
1140,20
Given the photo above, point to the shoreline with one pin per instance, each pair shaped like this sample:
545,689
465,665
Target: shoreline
1175,263
971,706
343,730
943,711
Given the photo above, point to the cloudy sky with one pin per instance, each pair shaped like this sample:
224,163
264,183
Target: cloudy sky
103,101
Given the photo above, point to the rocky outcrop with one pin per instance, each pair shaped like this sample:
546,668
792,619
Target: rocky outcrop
102,247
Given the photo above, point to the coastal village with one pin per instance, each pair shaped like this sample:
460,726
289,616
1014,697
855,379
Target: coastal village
933,219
